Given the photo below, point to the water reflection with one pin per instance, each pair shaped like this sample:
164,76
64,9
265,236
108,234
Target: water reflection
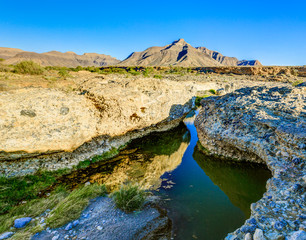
143,162
243,183
205,197
209,198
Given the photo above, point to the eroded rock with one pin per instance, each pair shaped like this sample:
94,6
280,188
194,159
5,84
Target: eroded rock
266,125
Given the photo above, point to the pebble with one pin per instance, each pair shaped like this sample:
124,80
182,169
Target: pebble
6,235
55,237
22,222
99,228
68,227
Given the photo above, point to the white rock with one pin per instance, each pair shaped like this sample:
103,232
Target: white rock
258,235
248,236
298,235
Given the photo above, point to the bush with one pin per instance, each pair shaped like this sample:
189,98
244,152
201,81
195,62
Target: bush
212,91
129,198
28,67
63,73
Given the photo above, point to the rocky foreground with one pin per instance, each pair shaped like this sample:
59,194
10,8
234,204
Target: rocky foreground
268,125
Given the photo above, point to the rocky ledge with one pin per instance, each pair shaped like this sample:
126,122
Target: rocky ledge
268,125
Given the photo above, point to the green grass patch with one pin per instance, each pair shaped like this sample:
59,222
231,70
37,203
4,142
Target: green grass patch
71,207
129,198
15,190
158,76
32,208
28,67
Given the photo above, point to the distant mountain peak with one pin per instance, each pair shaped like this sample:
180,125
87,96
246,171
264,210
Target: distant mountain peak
180,53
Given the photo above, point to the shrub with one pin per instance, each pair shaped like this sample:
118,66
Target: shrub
28,67
212,91
63,73
1,59
129,198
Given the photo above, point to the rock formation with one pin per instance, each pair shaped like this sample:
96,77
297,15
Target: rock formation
267,125
180,53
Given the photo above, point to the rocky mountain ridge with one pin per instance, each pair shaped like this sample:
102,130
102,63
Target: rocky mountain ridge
180,53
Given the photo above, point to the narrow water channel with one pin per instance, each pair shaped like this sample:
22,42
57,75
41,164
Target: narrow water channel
206,197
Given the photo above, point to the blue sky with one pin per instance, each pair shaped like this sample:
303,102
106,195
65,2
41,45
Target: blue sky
273,32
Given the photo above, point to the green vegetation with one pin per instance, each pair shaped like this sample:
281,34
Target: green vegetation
71,206
28,67
133,71
31,208
1,59
129,198
63,73
109,154
158,76
147,71
294,84
212,91
15,190
65,206
199,99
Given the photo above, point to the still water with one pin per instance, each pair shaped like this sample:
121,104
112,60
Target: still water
206,198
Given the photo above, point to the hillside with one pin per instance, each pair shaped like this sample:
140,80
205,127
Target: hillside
55,58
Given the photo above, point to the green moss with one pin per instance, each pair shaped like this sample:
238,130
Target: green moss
129,198
109,154
199,99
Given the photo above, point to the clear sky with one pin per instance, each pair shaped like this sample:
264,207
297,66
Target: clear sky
273,32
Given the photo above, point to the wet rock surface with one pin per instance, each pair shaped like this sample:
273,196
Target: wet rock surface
101,220
262,124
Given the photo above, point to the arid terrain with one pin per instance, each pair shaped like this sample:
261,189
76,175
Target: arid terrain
63,118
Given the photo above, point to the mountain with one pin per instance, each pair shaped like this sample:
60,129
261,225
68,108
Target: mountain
228,61
54,58
6,53
180,53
